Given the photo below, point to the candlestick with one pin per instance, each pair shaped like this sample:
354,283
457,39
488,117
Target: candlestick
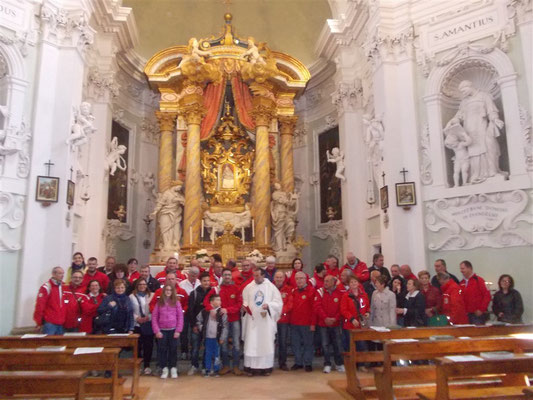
190,235
202,234
253,228
242,234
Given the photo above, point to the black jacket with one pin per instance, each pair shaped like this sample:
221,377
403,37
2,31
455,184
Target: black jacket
196,302
416,310
510,305
383,270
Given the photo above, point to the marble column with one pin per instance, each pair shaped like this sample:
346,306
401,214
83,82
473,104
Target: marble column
263,112
287,124
167,123
192,108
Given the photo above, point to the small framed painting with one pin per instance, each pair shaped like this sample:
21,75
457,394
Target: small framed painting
47,189
71,186
405,194
384,197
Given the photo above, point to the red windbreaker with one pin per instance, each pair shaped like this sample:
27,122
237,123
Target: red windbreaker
50,306
231,298
303,301
349,310
73,299
452,304
476,295
328,305
180,292
89,307
360,271
286,296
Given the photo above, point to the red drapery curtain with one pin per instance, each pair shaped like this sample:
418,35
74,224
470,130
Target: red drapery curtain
243,102
213,95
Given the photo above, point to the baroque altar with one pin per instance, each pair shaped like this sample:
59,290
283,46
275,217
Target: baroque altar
226,173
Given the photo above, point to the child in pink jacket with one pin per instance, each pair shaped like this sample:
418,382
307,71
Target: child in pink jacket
167,324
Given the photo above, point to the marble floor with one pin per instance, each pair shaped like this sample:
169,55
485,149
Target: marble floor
281,385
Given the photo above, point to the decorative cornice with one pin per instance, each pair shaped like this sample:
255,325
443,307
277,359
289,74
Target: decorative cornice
384,47
102,86
348,96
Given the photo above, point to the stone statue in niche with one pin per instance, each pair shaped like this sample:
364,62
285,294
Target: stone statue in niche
114,157
82,127
479,117
374,135
337,157
280,214
458,141
169,209
292,211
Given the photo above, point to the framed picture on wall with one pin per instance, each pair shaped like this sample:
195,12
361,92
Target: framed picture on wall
405,194
70,192
384,197
47,189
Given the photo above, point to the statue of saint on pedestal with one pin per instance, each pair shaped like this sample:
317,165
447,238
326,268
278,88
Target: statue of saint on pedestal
169,207
479,117
283,211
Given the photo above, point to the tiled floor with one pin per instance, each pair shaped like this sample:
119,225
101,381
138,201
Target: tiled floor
297,385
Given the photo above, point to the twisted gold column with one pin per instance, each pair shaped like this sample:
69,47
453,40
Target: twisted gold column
191,106
167,123
286,154
263,112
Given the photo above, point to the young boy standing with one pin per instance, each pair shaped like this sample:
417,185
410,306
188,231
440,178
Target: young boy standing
214,328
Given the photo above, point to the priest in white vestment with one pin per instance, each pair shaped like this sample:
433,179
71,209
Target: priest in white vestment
262,304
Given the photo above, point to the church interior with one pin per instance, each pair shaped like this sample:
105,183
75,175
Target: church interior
307,129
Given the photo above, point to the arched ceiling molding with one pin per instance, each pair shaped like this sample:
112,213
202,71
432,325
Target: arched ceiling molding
14,61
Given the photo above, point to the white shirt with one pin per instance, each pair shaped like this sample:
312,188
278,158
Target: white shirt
188,286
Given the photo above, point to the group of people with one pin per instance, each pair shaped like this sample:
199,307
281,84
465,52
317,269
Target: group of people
207,313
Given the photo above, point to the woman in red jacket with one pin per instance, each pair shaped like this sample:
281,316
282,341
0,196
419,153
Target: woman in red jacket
355,308
297,265
89,306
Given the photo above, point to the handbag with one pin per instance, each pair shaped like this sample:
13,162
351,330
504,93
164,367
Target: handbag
102,322
145,327
438,320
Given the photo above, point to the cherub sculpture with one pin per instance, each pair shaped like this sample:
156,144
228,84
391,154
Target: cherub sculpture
337,157
114,157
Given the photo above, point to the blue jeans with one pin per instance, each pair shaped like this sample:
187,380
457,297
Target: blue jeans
283,343
212,350
331,336
52,329
235,333
167,350
196,343
302,344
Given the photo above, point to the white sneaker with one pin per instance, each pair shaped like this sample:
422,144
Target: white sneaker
147,371
340,368
192,371
164,374
327,369
173,372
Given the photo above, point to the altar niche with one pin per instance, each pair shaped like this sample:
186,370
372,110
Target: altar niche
330,185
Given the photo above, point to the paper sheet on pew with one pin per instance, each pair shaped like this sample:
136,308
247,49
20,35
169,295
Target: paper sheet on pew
380,328
404,340
33,335
118,334
75,334
464,358
88,350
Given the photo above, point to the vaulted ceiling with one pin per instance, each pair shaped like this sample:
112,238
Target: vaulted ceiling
290,26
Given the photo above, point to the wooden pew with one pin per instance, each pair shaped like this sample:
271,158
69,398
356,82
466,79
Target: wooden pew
387,376
35,360
356,384
448,369
37,384
71,342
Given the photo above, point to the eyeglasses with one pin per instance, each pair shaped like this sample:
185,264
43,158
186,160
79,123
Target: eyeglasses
141,284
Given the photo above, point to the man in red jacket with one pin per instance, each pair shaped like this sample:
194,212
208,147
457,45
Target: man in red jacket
231,297
407,273
171,266
302,323
283,322
328,315
475,294
318,278
74,294
93,274
181,293
215,273
332,266
358,267
245,276
50,308
452,304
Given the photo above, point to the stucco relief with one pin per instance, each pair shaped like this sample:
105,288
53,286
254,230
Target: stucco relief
483,220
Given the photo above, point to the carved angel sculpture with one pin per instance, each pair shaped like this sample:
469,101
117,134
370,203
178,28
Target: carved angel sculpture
114,157
252,54
337,157
82,127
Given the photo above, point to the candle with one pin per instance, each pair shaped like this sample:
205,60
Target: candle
242,234
253,228
213,237
266,241
176,255
190,235
202,234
